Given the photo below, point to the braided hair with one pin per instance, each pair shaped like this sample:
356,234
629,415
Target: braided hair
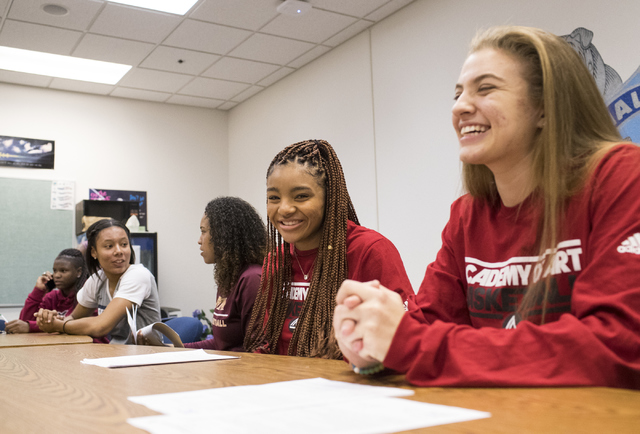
313,335
74,256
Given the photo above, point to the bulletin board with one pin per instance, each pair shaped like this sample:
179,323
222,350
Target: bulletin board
31,236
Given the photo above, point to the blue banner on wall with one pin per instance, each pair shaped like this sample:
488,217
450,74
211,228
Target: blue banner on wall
624,107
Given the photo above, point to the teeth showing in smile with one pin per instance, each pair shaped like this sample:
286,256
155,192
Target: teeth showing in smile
473,129
293,223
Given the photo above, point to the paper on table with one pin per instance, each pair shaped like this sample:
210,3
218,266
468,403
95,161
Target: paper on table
131,319
154,339
296,393
347,410
155,359
153,332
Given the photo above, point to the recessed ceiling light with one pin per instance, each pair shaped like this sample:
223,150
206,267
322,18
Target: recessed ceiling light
53,9
294,7
179,7
55,65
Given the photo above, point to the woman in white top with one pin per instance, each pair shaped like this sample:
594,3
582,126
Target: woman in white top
115,285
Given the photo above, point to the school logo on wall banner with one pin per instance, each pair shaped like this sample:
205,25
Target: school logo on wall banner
622,99
624,106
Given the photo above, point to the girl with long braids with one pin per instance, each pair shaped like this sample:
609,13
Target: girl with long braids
315,242
537,283
69,274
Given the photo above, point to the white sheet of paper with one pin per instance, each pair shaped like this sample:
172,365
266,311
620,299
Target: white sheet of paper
342,408
292,394
153,334
155,359
131,319
63,195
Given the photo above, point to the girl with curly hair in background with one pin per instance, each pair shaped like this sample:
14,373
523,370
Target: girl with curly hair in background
233,238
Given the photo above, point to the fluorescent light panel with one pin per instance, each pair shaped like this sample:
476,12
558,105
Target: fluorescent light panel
55,65
179,7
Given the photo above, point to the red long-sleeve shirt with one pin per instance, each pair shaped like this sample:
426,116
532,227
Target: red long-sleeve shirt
464,335
369,256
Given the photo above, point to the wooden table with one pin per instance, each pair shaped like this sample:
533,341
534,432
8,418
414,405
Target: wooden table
37,339
47,389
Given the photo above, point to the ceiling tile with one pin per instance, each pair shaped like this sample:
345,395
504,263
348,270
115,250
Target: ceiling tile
255,13
387,10
26,79
247,93
133,23
79,16
212,88
282,72
348,33
307,57
38,38
227,105
154,80
81,86
314,26
246,71
146,95
356,8
109,49
179,60
231,49
271,49
212,38
195,101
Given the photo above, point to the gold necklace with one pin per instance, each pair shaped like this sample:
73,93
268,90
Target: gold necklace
306,275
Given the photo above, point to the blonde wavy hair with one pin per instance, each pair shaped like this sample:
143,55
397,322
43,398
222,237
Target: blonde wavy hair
577,132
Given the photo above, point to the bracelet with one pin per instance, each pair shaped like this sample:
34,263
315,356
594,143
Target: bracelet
64,325
368,371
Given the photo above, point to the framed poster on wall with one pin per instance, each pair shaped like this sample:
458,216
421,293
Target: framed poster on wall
27,153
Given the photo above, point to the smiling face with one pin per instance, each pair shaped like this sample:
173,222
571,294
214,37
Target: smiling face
295,205
493,115
65,274
112,251
205,241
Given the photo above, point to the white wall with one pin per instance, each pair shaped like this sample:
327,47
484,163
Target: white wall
411,60
331,102
177,154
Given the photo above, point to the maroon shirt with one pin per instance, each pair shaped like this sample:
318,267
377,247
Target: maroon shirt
231,315
53,300
369,256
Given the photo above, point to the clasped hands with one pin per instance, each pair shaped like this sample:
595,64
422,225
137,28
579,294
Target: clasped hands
366,318
49,321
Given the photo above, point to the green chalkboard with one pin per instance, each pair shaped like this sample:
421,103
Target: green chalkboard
31,236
